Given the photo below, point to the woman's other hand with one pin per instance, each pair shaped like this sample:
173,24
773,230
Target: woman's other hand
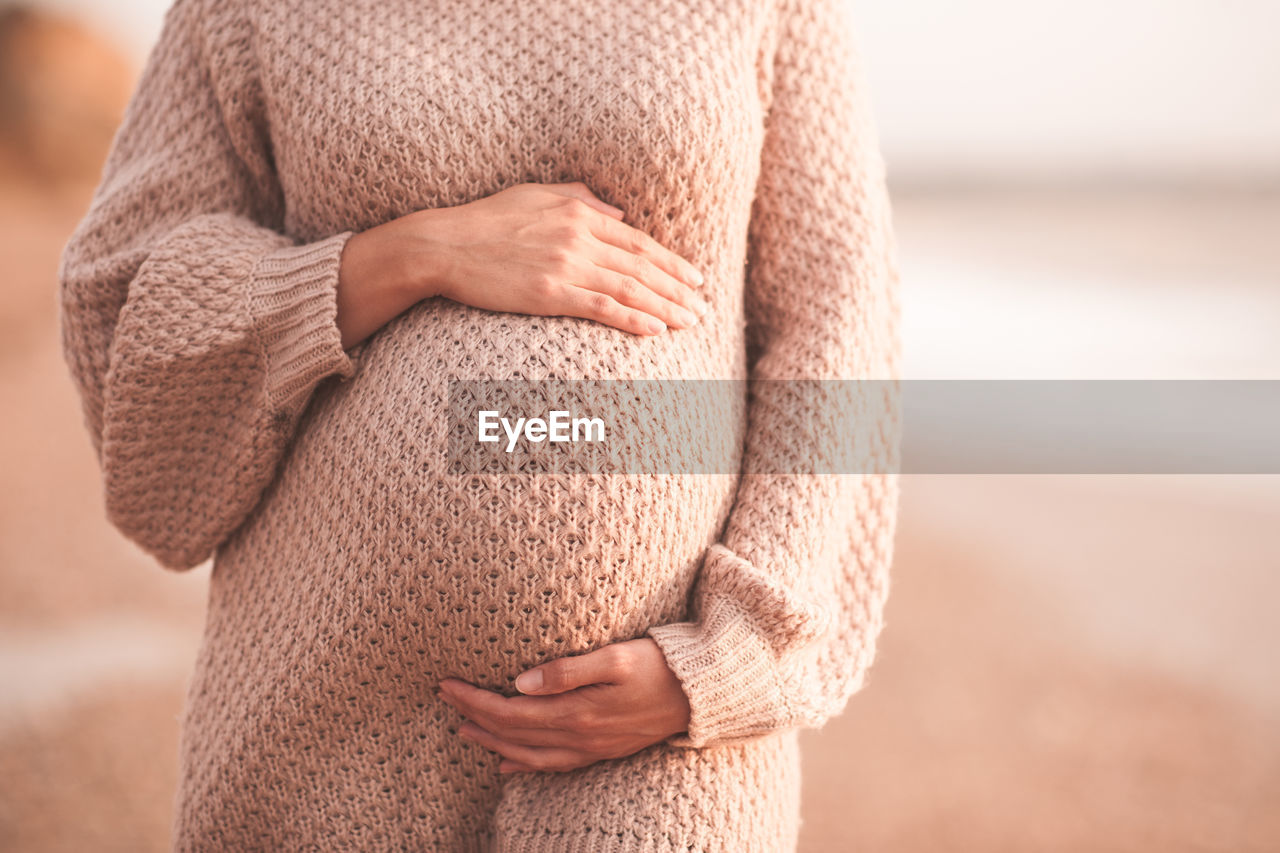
547,249
608,703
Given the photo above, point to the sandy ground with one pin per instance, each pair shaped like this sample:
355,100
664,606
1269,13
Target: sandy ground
1069,663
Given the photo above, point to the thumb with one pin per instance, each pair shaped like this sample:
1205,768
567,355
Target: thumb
563,674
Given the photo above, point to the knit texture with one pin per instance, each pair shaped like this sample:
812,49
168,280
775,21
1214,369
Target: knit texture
351,572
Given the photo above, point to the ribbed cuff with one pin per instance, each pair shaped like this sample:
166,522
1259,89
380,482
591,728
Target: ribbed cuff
730,660
294,304
728,674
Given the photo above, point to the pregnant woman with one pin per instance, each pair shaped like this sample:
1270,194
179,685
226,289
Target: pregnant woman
314,216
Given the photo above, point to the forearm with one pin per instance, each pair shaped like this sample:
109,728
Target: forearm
387,269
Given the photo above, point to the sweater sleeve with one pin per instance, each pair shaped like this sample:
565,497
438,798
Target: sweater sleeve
194,329
788,605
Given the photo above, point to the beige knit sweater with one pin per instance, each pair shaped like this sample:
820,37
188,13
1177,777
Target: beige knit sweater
351,572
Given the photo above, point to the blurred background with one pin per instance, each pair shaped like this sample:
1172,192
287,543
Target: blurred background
1084,189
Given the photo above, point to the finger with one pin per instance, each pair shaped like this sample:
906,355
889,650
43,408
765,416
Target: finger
652,278
603,308
498,711
631,292
538,758
517,711
506,765
561,735
601,666
529,737
637,242
579,190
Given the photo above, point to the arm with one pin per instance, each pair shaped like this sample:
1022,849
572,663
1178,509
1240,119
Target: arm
788,605
195,331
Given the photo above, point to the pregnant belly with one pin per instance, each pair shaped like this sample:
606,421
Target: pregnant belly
428,573
515,570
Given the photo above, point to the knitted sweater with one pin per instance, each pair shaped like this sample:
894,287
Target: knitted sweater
351,572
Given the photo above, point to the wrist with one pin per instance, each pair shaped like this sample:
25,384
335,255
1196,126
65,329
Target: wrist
423,250
410,256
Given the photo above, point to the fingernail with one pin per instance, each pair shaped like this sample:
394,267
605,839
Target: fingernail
690,318
657,327
532,680
698,278
700,307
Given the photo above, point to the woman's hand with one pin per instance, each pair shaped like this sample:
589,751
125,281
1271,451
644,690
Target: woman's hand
548,249
608,703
